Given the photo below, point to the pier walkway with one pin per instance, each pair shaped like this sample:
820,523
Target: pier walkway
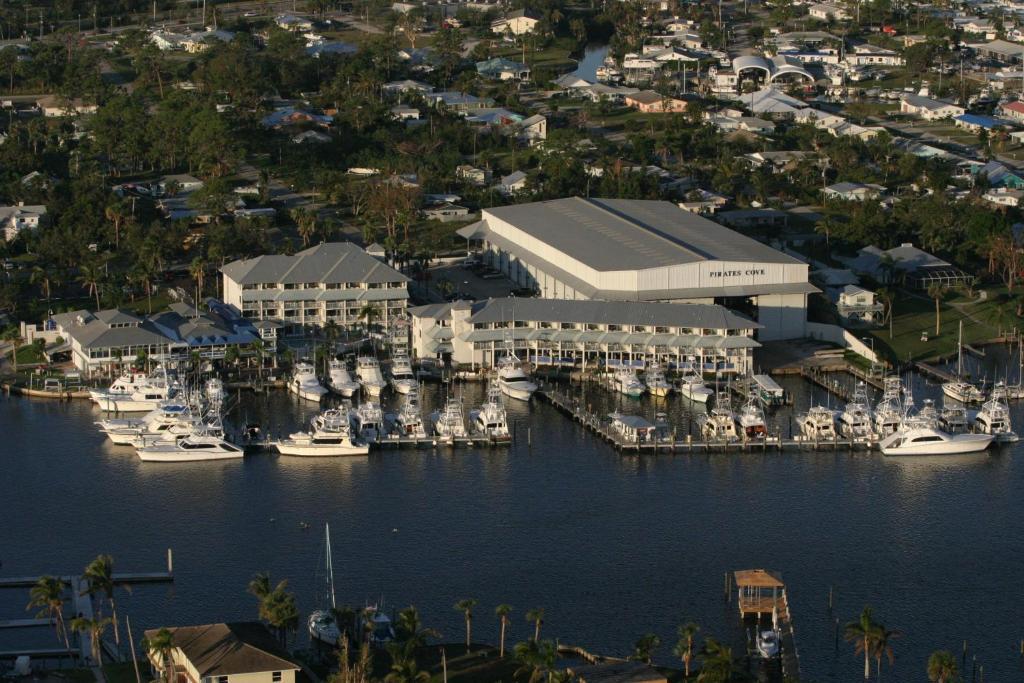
761,593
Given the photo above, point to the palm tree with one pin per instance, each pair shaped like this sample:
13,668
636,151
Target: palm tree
684,647
409,628
717,663
936,291
42,277
403,665
94,628
368,313
536,615
259,585
99,575
644,648
942,667
48,596
305,222
14,336
90,274
860,633
161,644
888,299
197,269
466,606
881,646
536,660
279,609
502,611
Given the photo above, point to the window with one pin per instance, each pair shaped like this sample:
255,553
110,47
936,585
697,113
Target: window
222,679
275,677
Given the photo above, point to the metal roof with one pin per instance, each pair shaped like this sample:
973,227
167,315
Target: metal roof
614,312
627,234
325,263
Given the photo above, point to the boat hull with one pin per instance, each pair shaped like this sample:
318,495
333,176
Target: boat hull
699,395
160,455
110,405
517,392
312,395
320,450
958,445
345,391
372,389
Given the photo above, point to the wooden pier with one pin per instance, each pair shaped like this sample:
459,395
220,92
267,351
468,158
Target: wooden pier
601,428
933,372
761,593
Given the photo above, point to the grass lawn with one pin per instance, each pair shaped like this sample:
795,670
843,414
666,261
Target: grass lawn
915,315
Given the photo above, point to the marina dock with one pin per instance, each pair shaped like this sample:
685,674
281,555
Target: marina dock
760,593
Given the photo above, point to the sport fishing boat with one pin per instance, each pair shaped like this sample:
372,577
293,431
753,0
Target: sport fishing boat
490,420
752,420
304,383
923,440
367,422
720,423
654,377
322,624
369,376
130,382
625,381
170,416
994,417
818,424
201,444
402,378
953,418
145,398
338,379
448,423
329,435
512,380
691,385
855,420
889,411
409,423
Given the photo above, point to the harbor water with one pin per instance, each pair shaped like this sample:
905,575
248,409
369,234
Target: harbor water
612,546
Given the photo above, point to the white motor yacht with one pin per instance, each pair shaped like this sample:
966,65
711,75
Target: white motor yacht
448,423
753,425
632,428
329,435
129,382
654,377
367,422
994,417
305,384
490,420
889,411
123,431
818,424
720,423
625,381
855,420
339,381
402,378
145,398
953,418
691,385
512,381
369,376
322,624
200,445
768,644
409,422
922,440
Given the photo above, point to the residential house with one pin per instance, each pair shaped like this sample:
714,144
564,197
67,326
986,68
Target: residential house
513,183
929,109
405,113
331,47
650,102
446,212
243,652
865,54
532,130
852,192
1013,110
201,40
459,101
177,184
916,267
165,40
408,86
290,116
1003,196
703,201
311,136
55,106
290,22
473,175
856,304
14,219
753,218
516,23
1002,51
999,175
976,123
503,69
331,282
780,161
827,11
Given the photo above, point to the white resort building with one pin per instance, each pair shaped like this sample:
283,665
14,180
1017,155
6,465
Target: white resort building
620,250
329,282
585,333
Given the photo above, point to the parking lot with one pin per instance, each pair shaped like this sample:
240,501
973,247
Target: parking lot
470,281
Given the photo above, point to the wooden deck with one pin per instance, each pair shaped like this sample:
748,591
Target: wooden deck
759,593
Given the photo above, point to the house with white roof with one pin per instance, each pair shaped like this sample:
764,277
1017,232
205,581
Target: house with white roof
21,216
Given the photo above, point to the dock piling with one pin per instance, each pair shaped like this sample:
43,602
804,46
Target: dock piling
830,599
170,561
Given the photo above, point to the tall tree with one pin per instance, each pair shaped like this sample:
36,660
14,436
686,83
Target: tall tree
160,644
99,577
860,633
645,646
684,646
48,595
503,611
942,667
536,616
937,291
466,606
94,628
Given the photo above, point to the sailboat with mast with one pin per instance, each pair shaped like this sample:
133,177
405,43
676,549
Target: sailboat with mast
960,390
323,625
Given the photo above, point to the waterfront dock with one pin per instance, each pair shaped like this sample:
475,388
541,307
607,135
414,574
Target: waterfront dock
933,372
760,594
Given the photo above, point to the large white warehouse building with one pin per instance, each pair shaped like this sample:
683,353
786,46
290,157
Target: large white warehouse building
638,250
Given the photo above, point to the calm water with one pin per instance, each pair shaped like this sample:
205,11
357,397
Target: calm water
593,57
612,546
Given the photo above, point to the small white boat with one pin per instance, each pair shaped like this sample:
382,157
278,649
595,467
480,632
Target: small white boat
448,423
200,445
305,384
768,644
329,435
145,398
338,379
719,424
130,382
932,441
633,428
768,390
818,424
490,420
855,421
322,624
369,376
409,422
691,385
654,377
402,378
753,425
168,417
512,381
367,422
994,417
625,381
